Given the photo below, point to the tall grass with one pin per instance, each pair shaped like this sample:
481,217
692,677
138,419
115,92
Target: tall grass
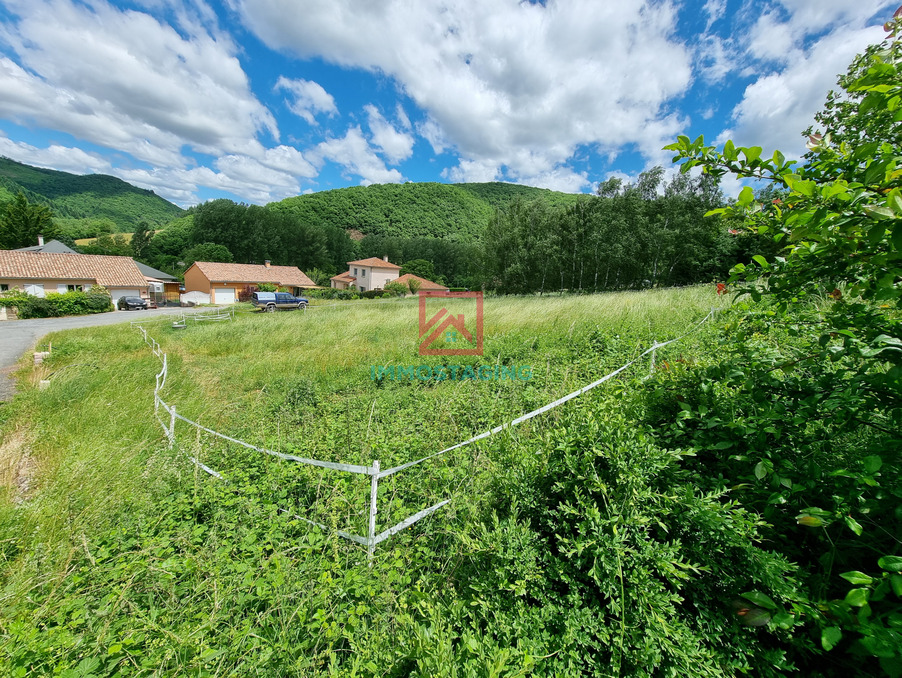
296,382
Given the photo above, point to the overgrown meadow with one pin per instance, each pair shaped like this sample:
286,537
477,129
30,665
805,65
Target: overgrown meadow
586,541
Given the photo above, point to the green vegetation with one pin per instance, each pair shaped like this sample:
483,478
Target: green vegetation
82,201
405,210
21,223
74,302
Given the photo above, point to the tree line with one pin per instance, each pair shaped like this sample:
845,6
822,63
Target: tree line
648,233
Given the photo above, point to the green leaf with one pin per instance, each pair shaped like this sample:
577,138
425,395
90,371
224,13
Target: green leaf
784,620
879,212
752,153
761,261
760,600
830,637
858,597
895,581
857,578
853,525
746,196
760,470
891,563
872,463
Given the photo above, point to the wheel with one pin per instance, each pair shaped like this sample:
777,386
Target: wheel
271,308
302,306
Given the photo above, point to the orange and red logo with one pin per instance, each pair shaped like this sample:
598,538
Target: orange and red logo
446,333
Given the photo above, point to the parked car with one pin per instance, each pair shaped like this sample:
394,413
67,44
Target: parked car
131,304
270,301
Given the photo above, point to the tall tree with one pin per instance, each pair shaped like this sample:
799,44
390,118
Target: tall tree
22,222
141,241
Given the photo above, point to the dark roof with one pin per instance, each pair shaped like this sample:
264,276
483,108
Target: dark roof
51,246
150,272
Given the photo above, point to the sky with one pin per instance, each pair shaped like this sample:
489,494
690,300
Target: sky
259,100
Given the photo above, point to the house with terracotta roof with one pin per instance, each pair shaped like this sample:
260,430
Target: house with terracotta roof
374,274
40,273
420,283
366,274
223,282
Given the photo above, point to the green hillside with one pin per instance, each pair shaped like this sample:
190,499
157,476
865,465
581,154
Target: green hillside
91,197
414,210
499,194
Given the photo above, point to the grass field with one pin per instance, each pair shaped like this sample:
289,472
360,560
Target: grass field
121,558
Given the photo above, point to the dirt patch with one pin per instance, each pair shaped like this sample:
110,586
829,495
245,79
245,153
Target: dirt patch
17,466
354,234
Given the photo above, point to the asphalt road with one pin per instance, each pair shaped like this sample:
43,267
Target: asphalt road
20,336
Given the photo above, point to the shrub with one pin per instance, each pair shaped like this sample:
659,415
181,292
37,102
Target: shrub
54,305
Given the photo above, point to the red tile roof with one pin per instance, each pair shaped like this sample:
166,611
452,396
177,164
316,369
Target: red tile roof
105,270
287,276
424,284
343,277
374,262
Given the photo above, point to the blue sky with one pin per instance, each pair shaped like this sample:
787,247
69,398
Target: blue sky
257,100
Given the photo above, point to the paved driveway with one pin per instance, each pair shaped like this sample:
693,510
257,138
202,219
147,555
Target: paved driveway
19,336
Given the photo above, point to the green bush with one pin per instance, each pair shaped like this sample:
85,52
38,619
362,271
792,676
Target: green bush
55,305
604,553
330,293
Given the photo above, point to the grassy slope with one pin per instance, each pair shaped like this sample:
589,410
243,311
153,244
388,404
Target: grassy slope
83,197
415,210
176,584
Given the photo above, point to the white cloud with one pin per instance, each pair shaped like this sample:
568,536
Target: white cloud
776,108
396,146
63,158
495,78
354,153
309,98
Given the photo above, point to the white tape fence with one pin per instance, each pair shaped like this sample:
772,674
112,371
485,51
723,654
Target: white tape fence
374,471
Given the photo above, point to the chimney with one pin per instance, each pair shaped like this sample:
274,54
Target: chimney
385,258
267,263
40,241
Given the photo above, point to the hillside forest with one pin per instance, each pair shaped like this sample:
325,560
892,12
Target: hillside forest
503,237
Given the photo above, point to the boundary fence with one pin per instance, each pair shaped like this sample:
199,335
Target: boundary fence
374,471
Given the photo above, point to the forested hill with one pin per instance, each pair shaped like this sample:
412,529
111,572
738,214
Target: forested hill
85,197
414,210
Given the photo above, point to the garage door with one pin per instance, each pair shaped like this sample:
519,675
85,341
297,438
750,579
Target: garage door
226,295
118,294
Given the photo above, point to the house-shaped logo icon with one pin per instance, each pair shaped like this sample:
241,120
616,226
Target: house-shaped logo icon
446,333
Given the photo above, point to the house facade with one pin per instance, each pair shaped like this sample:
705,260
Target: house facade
43,273
374,274
224,282
366,274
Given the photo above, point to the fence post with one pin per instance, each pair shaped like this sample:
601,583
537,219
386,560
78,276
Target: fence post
654,347
374,492
171,432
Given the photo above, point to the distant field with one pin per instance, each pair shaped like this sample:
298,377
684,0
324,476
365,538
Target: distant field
122,551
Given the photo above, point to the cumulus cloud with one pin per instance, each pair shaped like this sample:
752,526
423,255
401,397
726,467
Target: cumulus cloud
396,146
495,78
134,84
354,153
309,98
777,107
63,158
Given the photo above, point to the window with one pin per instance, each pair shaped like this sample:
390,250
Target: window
74,288
61,288
362,272
34,290
4,287
355,271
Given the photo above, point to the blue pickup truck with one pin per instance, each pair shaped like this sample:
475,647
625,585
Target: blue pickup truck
272,301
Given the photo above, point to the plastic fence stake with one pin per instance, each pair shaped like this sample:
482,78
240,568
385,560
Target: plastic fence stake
374,493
